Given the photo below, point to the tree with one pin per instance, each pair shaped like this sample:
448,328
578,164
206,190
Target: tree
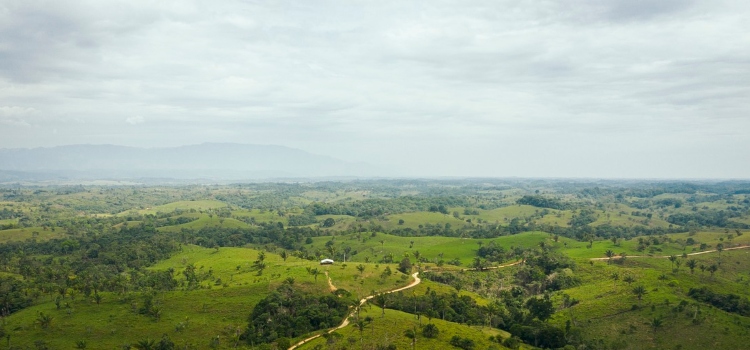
628,279
540,308
165,343
430,331
81,344
360,325
672,259
610,254
656,323
361,268
639,292
329,222
405,266
479,264
382,301
315,272
44,321
145,344
284,255
259,264
411,334
712,269
691,264
615,277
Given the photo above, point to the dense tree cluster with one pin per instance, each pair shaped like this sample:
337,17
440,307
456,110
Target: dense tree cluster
289,313
544,202
727,302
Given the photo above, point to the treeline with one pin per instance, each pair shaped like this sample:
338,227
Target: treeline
369,208
524,318
544,202
728,302
288,313
715,218
110,262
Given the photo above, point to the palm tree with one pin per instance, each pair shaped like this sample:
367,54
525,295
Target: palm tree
639,292
361,268
628,279
315,272
609,254
615,277
146,344
656,323
411,334
360,325
44,321
81,344
691,264
672,259
283,255
713,268
381,300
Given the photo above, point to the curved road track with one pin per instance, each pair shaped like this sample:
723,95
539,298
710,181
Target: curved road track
667,256
345,322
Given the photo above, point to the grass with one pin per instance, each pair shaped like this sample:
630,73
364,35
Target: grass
181,205
415,219
207,313
22,234
218,308
390,330
606,309
204,220
261,215
463,249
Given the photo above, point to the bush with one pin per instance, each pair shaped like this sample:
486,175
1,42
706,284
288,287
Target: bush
463,343
430,331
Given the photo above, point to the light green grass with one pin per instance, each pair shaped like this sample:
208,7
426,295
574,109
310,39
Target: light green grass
261,215
205,220
415,219
463,249
605,308
390,330
22,234
181,205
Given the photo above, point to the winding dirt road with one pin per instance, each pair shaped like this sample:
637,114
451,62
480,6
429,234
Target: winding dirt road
667,256
345,322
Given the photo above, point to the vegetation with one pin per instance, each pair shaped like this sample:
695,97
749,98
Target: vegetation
607,265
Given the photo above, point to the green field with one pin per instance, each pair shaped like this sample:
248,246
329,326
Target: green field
37,233
204,256
463,249
201,205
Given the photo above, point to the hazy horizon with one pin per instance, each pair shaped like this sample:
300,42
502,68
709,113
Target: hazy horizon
616,89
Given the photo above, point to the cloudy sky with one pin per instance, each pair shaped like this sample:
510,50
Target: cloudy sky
547,88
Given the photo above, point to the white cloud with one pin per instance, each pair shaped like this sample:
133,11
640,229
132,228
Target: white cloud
135,120
491,83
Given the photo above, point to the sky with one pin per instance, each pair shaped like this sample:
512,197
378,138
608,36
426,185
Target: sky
498,88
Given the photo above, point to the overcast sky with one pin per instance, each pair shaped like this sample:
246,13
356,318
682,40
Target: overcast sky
576,88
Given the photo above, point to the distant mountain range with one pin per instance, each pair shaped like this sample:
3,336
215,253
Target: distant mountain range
221,161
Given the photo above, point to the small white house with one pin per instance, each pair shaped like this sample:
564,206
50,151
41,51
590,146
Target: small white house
326,262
